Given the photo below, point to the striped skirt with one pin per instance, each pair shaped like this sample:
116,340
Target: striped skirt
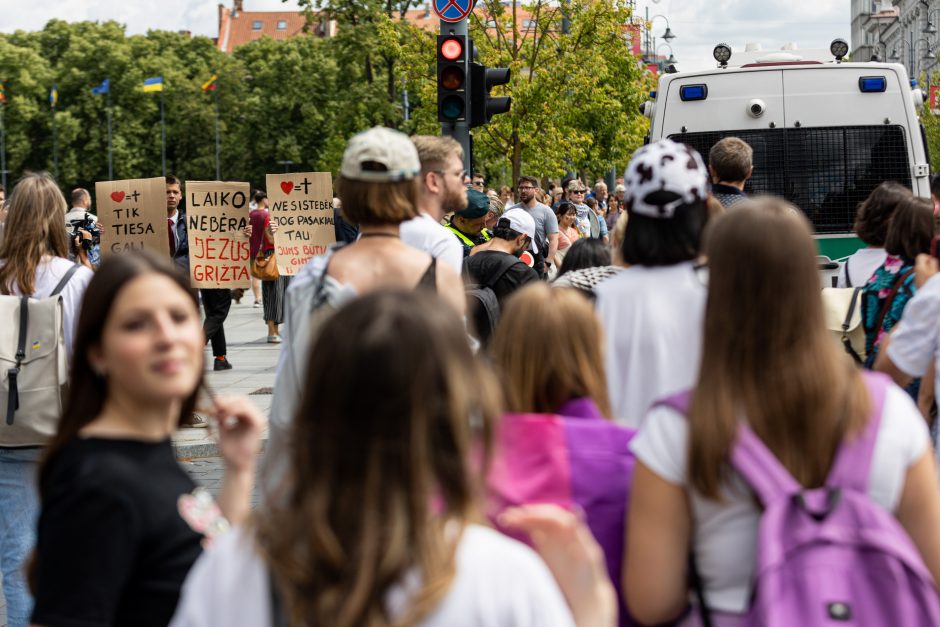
272,299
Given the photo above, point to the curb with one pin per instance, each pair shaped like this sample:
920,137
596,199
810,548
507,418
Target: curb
206,447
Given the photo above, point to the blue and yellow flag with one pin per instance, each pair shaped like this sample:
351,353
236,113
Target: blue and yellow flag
53,96
153,84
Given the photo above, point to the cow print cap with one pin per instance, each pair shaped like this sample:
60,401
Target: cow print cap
664,176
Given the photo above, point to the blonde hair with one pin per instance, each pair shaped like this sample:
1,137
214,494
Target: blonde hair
553,357
775,365
35,227
433,151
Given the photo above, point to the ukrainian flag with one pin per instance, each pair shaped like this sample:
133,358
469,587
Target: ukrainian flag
153,84
53,96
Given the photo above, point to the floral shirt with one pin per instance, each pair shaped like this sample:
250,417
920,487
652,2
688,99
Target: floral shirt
874,296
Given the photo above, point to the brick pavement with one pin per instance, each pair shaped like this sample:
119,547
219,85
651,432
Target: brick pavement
254,362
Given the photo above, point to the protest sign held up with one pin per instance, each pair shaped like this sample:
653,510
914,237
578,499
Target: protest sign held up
133,214
216,214
302,204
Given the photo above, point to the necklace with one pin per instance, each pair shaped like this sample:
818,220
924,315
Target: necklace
378,234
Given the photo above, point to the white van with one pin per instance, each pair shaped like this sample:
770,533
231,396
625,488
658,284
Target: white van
825,133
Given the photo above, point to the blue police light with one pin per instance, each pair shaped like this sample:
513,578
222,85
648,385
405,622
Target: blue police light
693,92
872,84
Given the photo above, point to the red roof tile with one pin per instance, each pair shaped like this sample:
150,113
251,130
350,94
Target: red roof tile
236,29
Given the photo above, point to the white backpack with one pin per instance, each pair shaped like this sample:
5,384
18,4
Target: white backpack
33,367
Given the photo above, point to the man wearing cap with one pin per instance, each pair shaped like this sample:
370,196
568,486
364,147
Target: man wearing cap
443,189
499,265
468,224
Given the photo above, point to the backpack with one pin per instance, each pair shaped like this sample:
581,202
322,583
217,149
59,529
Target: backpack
829,555
482,305
843,310
33,366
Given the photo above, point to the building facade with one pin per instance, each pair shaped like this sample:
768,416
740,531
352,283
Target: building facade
897,31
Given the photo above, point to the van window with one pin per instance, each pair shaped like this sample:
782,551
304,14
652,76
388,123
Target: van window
824,171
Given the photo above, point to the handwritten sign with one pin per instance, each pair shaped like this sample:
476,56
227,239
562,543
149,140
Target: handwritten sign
216,214
302,204
133,214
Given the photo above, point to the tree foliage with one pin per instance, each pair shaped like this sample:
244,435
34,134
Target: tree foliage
574,96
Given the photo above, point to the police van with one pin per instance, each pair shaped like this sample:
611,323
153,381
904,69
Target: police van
825,132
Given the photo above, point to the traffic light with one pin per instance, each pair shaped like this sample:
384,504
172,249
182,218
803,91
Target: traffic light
452,85
483,106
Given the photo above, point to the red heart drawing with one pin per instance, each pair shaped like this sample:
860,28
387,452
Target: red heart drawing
117,196
287,186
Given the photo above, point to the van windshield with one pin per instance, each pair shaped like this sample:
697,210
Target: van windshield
824,171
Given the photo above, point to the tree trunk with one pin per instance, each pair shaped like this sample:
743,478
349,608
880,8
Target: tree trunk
516,157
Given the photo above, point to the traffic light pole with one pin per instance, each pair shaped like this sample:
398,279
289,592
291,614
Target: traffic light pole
459,130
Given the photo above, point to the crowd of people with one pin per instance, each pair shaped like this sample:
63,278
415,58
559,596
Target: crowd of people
552,405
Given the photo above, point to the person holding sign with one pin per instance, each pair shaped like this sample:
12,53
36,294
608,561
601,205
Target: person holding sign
378,187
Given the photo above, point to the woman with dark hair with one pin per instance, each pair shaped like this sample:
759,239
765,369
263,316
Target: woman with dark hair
585,253
652,311
774,369
374,521
33,262
891,286
121,521
871,226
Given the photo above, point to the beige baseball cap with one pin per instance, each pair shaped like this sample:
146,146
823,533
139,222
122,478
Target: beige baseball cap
380,155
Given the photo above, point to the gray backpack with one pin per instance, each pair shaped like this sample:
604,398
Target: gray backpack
33,367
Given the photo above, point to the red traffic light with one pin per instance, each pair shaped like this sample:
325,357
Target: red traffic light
451,49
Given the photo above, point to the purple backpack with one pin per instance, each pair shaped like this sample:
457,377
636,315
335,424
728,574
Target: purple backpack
829,555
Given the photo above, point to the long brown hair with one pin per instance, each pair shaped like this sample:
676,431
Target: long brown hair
553,356
767,355
380,481
87,392
35,227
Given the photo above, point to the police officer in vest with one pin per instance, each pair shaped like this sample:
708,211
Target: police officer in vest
467,225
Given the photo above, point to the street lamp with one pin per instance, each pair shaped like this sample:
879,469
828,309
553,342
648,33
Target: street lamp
930,28
911,48
650,40
672,57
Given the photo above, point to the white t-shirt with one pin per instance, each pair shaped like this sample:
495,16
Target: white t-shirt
653,325
425,233
860,266
499,583
726,532
916,338
48,274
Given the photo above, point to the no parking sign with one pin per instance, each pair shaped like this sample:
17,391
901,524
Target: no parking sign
453,10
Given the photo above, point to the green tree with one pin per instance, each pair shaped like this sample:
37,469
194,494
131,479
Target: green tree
575,95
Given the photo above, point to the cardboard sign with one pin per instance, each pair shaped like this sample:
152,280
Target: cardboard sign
216,215
133,215
302,204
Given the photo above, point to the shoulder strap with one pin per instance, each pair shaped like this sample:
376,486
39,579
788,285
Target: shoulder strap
894,292
846,342
429,278
13,396
852,465
761,468
848,275
277,608
507,265
65,280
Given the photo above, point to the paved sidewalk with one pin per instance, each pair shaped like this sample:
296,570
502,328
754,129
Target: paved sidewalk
254,362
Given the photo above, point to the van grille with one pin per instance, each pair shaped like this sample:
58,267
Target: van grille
824,171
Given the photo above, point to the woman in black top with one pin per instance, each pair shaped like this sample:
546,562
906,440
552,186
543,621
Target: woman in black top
121,521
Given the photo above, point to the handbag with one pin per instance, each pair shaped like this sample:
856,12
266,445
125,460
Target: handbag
843,311
264,266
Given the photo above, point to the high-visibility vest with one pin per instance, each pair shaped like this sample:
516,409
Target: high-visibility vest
469,243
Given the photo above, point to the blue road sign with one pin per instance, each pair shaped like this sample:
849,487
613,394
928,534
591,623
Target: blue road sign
453,10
